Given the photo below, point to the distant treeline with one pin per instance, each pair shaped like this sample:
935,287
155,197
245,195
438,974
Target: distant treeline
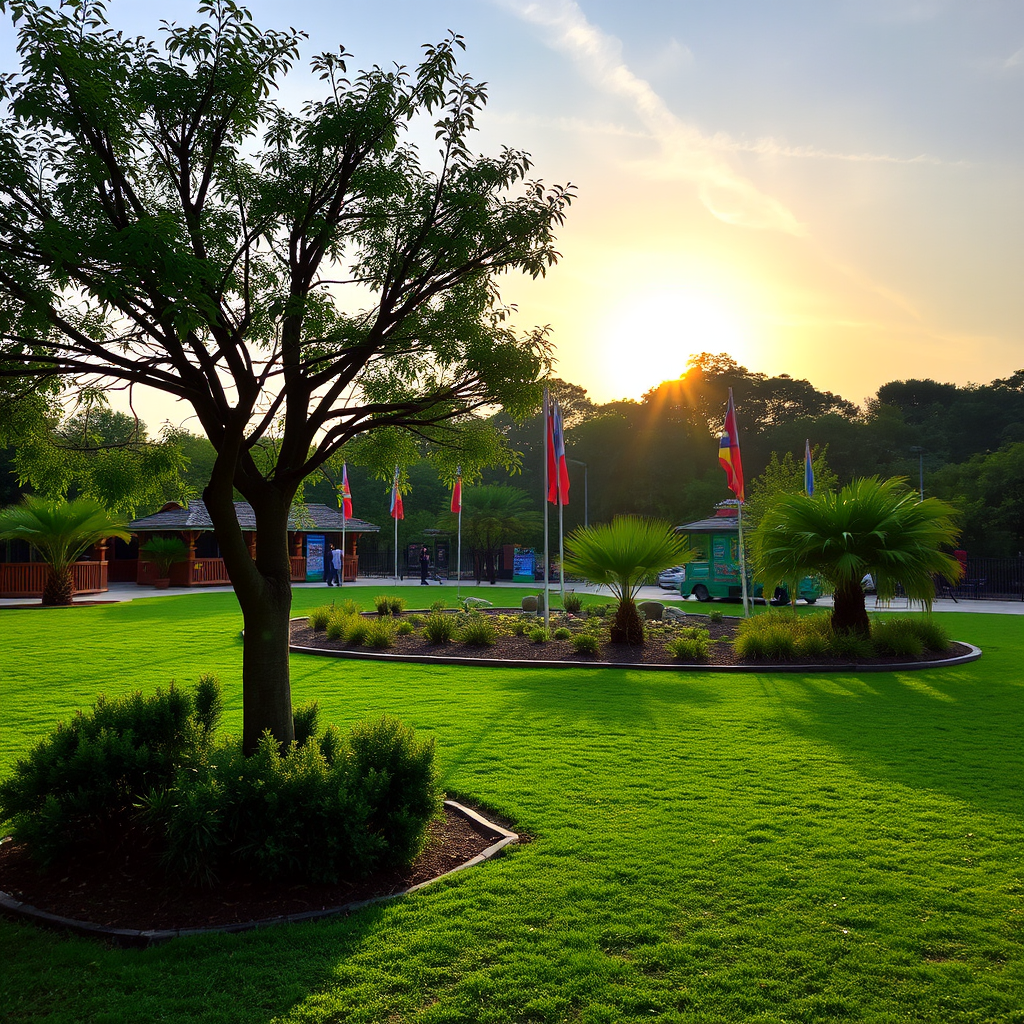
659,456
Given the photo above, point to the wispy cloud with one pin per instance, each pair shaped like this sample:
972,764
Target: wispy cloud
686,152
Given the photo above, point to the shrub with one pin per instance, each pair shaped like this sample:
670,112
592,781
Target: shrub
478,631
87,775
416,620
439,605
539,635
356,629
522,626
597,610
404,628
934,636
380,633
585,643
812,644
386,604
715,615
772,636
850,645
690,648
336,626
350,607
897,637
331,807
319,617
572,603
562,633
440,628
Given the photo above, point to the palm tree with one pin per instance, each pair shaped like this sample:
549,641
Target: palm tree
492,516
60,533
870,526
623,555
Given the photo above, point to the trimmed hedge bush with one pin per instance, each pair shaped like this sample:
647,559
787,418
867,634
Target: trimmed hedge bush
329,807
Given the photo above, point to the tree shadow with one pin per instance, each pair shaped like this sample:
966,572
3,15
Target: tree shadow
926,729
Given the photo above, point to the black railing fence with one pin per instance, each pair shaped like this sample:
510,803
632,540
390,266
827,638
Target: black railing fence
988,579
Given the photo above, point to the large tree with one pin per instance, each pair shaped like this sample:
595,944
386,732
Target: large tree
298,278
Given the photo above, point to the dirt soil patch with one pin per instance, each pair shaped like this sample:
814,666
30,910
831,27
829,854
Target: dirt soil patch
127,888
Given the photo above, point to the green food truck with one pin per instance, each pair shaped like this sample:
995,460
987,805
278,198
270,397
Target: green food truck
714,569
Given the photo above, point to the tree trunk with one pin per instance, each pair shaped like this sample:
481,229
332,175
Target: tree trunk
264,592
59,587
849,614
627,627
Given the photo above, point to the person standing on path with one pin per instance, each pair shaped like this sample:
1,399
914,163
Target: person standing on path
336,562
329,567
424,566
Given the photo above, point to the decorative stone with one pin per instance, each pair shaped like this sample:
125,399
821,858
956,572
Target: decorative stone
530,603
652,610
673,614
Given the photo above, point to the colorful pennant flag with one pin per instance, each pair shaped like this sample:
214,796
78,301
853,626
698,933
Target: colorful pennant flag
397,512
345,497
729,451
558,470
808,469
457,492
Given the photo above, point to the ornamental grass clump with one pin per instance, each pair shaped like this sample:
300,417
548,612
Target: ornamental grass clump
771,637
319,617
380,633
572,603
896,637
562,633
693,645
386,604
478,631
440,628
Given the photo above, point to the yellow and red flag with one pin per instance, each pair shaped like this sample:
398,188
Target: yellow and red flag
729,451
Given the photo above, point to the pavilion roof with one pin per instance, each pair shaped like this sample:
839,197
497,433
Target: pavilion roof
714,524
307,518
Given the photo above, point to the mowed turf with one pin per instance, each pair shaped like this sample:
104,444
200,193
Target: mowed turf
748,848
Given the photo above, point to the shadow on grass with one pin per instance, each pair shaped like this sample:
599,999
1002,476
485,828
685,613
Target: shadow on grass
952,730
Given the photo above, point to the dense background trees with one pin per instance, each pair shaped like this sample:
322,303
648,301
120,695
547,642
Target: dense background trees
658,456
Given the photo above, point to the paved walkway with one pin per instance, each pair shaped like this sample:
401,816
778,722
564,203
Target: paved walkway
133,592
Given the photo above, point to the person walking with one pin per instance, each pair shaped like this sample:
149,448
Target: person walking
424,566
329,567
339,568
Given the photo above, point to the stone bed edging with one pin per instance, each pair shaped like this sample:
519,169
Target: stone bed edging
143,938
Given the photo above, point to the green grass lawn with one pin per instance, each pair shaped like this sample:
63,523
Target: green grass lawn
709,848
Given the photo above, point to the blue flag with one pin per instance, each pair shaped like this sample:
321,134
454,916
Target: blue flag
808,469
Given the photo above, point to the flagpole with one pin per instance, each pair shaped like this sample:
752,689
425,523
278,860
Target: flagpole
561,550
458,560
544,505
341,580
394,511
743,559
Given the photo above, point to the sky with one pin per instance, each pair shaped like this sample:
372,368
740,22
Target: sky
833,190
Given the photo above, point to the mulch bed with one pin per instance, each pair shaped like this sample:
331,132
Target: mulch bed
652,654
126,888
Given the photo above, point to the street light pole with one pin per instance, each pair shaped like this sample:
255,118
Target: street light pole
580,462
916,449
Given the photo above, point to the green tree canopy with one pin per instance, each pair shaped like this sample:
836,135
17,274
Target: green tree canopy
298,278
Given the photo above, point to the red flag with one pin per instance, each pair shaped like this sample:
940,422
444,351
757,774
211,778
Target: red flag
729,451
457,493
558,470
345,498
397,512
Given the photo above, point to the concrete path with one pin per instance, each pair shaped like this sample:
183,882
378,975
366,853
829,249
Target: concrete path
133,592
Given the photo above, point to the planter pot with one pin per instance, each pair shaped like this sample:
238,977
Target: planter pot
162,584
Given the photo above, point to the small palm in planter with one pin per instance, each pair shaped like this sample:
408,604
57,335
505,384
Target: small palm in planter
164,552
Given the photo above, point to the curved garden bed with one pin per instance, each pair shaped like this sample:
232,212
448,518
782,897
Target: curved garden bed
510,650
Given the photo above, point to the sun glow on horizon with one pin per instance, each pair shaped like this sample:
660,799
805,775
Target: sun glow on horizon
648,338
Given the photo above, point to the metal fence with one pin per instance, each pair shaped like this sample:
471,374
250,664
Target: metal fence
988,579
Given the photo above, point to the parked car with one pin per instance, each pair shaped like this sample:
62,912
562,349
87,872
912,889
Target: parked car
670,579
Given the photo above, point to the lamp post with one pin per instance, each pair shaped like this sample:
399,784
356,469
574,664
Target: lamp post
919,452
580,462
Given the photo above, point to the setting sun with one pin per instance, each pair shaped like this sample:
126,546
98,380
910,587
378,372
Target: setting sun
649,338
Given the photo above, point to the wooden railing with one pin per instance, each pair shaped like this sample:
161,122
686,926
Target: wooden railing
205,572
298,569
27,579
